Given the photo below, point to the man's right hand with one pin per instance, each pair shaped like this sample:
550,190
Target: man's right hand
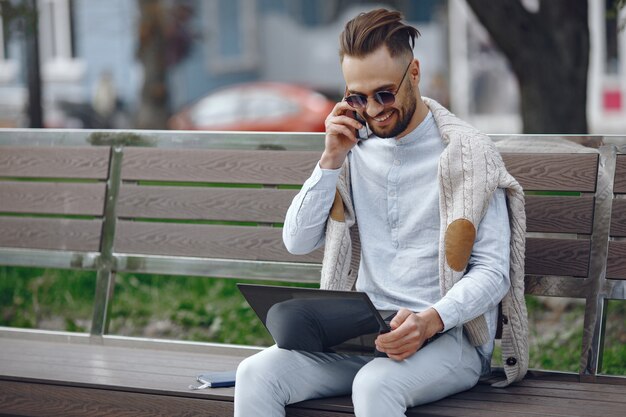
340,136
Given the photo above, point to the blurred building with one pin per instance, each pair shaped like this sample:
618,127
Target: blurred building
221,42
485,91
232,41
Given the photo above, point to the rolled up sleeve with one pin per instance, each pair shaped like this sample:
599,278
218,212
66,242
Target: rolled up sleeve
304,227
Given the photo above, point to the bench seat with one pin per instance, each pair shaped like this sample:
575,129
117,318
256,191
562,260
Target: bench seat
76,377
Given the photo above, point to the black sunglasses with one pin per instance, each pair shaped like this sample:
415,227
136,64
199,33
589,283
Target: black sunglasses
384,98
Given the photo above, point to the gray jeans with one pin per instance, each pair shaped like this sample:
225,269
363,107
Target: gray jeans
275,377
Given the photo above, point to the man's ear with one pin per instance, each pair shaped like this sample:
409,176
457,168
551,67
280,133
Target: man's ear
415,70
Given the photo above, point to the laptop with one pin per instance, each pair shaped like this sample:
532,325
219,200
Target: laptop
318,320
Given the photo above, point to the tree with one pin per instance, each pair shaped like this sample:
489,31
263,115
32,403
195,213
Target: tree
549,54
153,108
22,17
164,41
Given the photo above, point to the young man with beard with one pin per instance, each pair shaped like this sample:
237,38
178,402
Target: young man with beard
440,240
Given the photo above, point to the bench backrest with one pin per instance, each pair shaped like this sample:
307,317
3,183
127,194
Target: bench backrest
212,204
616,267
576,220
226,204
52,204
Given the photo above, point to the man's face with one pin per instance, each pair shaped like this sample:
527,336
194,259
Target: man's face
380,72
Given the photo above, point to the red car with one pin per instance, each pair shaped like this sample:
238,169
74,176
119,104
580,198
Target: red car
263,106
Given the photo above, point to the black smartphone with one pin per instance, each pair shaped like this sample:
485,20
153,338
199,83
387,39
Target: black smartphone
359,119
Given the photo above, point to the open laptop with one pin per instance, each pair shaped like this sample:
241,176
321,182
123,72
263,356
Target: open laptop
317,320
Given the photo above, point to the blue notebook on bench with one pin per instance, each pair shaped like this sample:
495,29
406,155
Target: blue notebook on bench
215,380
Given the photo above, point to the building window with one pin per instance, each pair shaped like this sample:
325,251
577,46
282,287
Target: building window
231,35
56,41
610,33
4,54
8,67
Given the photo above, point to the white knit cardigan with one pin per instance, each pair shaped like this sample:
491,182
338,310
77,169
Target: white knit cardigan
470,170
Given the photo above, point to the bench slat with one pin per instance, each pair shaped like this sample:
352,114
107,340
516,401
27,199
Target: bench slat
553,172
618,218
616,260
206,241
231,204
56,234
559,214
52,198
222,166
620,175
556,286
42,399
557,257
536,403
544,214
465,410
576,390
63,162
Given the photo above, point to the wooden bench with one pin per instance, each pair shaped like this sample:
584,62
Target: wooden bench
155,202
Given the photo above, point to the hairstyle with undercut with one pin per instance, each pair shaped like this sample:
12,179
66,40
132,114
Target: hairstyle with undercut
369,31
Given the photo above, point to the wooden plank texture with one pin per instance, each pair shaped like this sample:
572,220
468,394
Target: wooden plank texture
52,198
552,405
559,214
557,257
620,175
616,260
61,162
95,366
618,218
553,172
206,241
28,399
56,234
562,390
200,203
222,166
531,407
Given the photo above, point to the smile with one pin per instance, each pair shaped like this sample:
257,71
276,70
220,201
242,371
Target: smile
383,117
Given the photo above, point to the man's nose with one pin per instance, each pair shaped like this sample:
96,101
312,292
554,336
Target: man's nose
373,107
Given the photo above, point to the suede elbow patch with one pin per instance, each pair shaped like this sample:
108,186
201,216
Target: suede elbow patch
459,241
337,212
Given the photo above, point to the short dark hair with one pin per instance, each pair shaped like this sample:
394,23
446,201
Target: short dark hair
369,31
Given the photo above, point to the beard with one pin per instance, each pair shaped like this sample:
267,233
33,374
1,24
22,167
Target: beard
405,113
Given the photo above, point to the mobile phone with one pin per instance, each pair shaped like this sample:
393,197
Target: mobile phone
359,119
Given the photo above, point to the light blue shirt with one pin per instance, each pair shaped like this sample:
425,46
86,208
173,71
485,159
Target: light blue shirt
396,200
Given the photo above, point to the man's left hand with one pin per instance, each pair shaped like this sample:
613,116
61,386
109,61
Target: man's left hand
409,332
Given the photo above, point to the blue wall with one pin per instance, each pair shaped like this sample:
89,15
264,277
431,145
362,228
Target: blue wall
106,39
192,78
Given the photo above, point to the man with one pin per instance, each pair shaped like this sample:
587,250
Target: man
440,240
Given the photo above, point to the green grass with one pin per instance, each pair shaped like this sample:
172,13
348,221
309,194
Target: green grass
49,299
212,309
187,308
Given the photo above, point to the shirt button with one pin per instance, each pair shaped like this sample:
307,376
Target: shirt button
511,361
392,193
396,162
